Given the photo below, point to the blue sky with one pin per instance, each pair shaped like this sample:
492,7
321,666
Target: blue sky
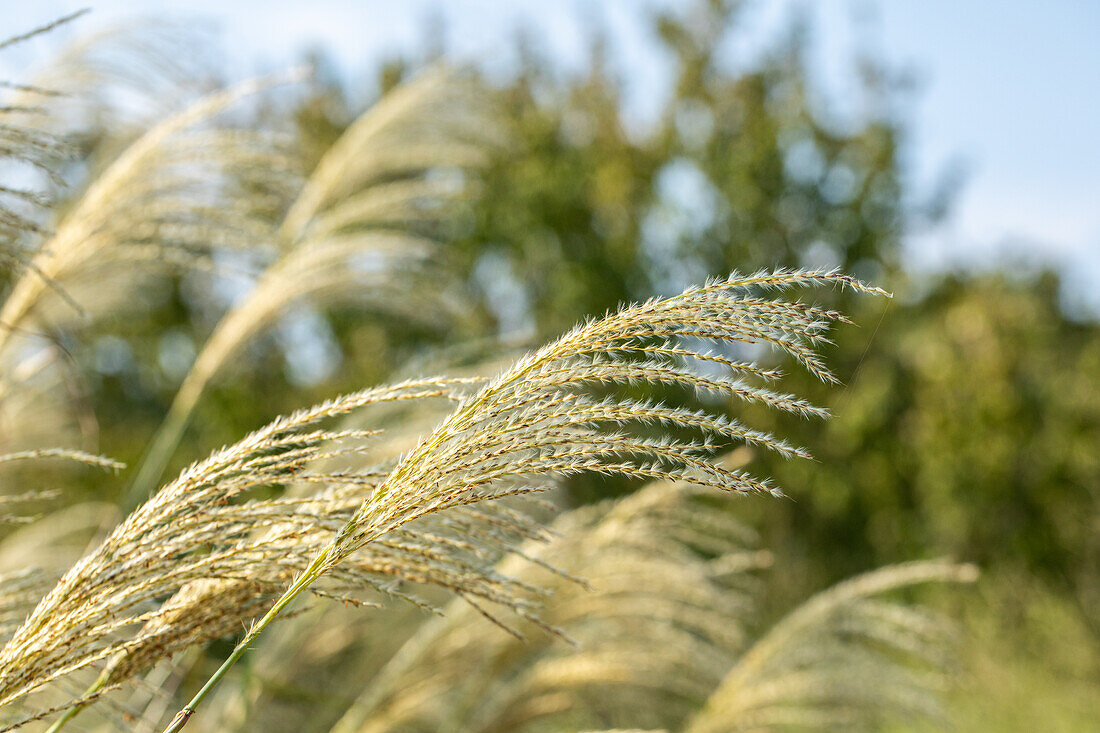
1011,90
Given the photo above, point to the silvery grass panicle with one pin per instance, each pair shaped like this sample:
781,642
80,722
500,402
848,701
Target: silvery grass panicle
219,560
164,203
536,421
192,531
158,203
30,155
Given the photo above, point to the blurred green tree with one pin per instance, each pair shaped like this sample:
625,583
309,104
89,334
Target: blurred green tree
741,170
969,426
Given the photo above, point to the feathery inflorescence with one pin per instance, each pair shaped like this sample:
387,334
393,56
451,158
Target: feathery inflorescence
536,421
167,201
539,419
100,90
845,658
359,229
160,202
102,87
30,154
193,542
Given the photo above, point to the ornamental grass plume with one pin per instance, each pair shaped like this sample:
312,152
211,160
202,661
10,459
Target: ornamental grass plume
361,229
165,202
536,421
192,542
844,659
98,89
26,145
474,541
458,555
105,87
160,202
